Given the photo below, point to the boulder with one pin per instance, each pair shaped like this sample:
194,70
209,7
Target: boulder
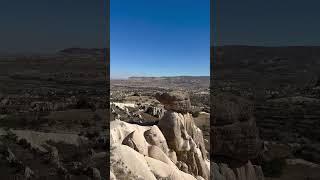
177,101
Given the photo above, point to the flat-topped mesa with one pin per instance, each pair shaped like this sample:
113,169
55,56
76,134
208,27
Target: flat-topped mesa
176,101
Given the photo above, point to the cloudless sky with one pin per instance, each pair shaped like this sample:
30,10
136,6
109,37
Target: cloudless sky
159,38
42,26
266,22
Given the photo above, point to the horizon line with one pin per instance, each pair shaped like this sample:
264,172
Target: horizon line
122,78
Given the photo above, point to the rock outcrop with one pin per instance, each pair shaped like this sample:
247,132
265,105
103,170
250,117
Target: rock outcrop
174,149
235,134
245,172
126,163
175,101
182,135
235,140
141,152
155,111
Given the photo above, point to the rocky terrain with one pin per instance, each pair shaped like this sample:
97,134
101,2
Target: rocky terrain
168,146
53,111
149,102
140,92
173,82
235,141
275,88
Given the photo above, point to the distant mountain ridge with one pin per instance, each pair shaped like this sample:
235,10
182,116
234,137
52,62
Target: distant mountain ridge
167,77
165,82
89,51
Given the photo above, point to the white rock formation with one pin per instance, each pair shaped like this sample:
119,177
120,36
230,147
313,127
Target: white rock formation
141,152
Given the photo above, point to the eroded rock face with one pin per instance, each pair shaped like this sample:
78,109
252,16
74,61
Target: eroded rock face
155,111
174,127
119,130
178,127
235,134
245,172
174,149
155,137
136,141
235,140
127,163
143,142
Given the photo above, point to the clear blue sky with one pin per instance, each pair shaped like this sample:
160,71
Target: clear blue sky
159,38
